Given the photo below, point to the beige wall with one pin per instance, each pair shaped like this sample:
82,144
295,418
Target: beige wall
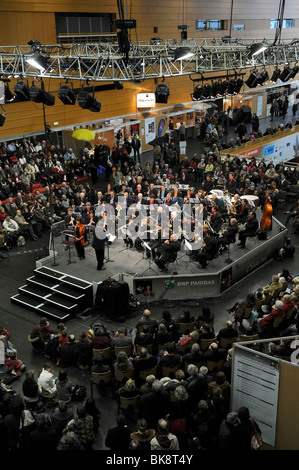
24,20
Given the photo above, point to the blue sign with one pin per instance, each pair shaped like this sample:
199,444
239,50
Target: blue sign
161,127
268,150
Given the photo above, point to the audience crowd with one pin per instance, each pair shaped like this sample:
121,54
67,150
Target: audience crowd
178,370
170,379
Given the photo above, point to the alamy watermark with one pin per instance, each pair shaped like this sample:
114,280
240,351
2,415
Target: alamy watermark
150,222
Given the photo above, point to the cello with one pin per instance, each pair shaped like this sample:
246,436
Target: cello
266,220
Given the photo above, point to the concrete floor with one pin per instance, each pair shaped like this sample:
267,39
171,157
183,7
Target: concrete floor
21,263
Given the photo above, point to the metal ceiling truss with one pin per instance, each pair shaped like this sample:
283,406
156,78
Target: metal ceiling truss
146,60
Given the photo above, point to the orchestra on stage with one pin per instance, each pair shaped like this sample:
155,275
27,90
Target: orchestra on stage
161,219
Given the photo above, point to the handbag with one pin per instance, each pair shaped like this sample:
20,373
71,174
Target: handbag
178,425
256,439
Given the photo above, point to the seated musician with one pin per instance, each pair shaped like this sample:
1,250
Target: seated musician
209,250
249,230
229,234
169,250
208,184
215,220
242,211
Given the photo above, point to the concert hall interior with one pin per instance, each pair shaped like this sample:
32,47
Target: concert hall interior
184,211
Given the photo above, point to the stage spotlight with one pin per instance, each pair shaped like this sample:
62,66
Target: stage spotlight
286,74
224,86
239,84
253,80
276,74
295,71
257,48
37,95
162,93
207,89
197,92
264,76
232,84
216,89
9,96
66,95
38,61
118,85
22,91
182,53
2,119
87,101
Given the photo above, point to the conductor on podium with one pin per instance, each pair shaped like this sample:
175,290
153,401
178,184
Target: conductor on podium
99,243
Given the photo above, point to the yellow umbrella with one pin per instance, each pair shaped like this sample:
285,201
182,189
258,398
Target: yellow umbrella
83,134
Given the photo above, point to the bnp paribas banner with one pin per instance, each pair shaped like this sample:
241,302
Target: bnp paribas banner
283,149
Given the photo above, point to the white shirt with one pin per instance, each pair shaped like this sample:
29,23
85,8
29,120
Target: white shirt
46,380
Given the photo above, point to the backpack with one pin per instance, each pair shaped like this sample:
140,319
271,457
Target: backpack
79,392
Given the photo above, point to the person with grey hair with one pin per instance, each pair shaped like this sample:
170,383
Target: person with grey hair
197,386
154,404
228,431
203,416
147,387
179,417
162,336
195,356
164,440
266,323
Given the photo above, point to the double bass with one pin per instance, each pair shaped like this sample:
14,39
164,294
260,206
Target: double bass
266,220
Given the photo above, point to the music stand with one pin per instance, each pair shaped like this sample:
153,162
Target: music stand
146,245
228,259
69,243
110,240
189,246
56,231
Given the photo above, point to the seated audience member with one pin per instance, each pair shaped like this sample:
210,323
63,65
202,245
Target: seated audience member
118,437
64,387
214,353
60,417
101,339
36,340
162,336
143,435
121,338
83,352
129,390
67,353
164,440
123,363
169,359
228,331
46,382
30,389
195,356
99,366
266,323
147,320
144,337
143,361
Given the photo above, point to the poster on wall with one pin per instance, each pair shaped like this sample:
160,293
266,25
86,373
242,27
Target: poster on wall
282,150
150,129
255,384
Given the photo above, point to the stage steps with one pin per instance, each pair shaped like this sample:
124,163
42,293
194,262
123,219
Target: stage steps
54,294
